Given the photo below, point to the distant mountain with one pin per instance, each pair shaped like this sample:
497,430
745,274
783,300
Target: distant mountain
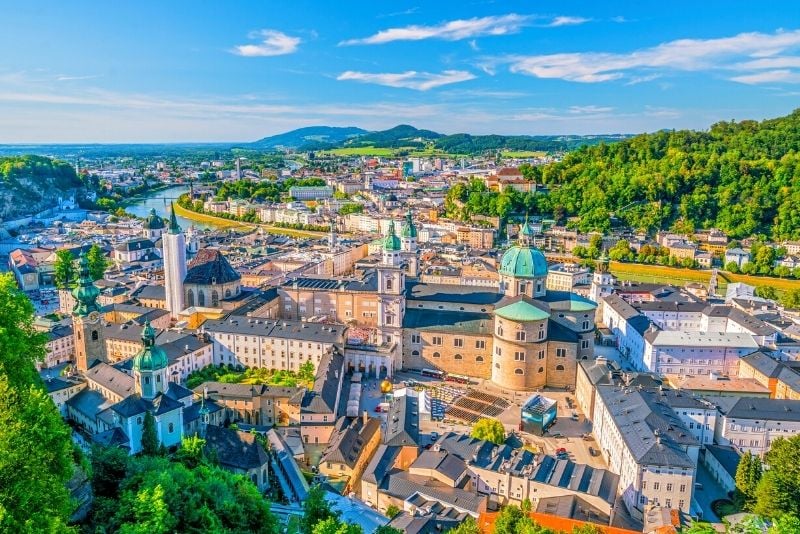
407,136
310,135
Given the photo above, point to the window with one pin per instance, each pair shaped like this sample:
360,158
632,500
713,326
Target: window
519,371
415,353
95,335
669,488
480,344
389,283
586,325
458,342
541,369
682,488
171,428
584,344
680,504
458,357
519,356
190,299
214,298
437,355
541,334
668,502
436,340
541,355
479,359
499,330
498,351
201,298
559,367
656,485
561,353
521,336
415,338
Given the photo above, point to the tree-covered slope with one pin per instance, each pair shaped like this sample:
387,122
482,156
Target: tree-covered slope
741,177
33,183
310,135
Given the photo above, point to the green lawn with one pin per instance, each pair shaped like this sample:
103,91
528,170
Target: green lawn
523,154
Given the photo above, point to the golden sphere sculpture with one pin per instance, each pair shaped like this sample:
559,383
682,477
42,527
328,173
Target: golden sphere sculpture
386,386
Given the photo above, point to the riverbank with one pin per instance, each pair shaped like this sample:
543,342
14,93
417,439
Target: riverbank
227,223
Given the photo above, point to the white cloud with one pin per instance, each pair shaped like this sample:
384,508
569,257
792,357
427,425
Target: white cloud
567,21
420,81
581,110
473,44
273,43
65,78
454,30
769,76
679,55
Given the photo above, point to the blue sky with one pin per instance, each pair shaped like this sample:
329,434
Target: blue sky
148,71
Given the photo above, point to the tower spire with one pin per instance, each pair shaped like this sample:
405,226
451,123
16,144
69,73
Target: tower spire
86,292
173,221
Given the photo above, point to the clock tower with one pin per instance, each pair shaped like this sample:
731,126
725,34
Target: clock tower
90,343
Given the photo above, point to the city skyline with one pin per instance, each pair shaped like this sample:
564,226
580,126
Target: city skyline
188,72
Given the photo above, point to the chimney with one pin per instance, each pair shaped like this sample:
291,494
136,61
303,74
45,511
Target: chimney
364,417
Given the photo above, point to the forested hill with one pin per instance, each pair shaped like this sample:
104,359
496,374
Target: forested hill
33,183
741,177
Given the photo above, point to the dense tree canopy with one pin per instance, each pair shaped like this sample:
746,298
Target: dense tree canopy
36,452
778,491
743,178
64,271
490,430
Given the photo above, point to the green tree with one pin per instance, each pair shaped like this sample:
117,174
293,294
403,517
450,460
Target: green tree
748,474
315,510
392,511
490,430
785,524
699,527
192,451
151,513
97,262
306,371
468,526
386,529
64,269
509,520
791,299
109,466
778,492
333,525
149,435
767,292
36,452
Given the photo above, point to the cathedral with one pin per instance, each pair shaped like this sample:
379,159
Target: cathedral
520,336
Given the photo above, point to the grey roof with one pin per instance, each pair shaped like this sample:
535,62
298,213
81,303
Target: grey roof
135,244
113,437
347,442
428,524
639,415
381,463
57,383
745,320
89,402
135,405
322,397
209,266
577,477
298,330
760,408
668,306
448,321
619,305
763,363
192,412
403,485
111,378
451,293
402,422
177,348
235,449
600,372
248,391
727,456
559,332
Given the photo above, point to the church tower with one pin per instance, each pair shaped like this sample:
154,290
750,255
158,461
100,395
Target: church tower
602,279
174,265
391,290
90,341
153,226
409,246
150,366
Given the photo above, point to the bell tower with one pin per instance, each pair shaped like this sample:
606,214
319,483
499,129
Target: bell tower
602,279
409,246
150,366
391,289
90,343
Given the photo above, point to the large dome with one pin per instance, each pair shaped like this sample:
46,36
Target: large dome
523,262
153,221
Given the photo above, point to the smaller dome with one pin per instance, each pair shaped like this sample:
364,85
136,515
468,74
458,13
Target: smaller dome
153,221
386,386
150,358
392,242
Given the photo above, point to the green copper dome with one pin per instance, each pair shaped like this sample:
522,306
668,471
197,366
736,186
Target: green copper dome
153,221
150,358
86,292
409,230
392,242
523,262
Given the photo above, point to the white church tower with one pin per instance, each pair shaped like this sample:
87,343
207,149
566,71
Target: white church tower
602,280
174,265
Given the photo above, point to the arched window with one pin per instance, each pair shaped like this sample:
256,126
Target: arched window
171,428
190,298
227,293
541,369
214,299
436,355
458,357
95,335
559,367
201,298
519,371
147,380
415,353
479,359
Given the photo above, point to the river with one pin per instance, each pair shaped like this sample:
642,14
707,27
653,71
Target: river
160,202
